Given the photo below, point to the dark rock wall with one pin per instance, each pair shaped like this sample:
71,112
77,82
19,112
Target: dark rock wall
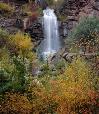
75,10
72,10
35,30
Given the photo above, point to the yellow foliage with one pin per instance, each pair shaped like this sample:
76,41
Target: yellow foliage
15,103
65,93
62,95
72,87
5,7
22,41
26,8
41,99
23,44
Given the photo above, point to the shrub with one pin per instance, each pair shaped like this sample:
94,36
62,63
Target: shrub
22,41
71,89
26,9
3,33
3,37
15,61
5,42
5,9
23,44
85,29
84,36
18,44
13,72
69,92
41,99
6,71
15,103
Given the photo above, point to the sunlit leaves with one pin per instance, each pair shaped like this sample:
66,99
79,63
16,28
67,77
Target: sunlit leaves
22,41
72,87
15,103
5,7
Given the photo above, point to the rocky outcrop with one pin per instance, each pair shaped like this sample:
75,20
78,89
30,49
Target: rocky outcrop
36,31
71,8
92,9
42,3
75,10
8,25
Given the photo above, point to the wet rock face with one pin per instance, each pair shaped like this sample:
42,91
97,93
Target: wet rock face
70,7
35,31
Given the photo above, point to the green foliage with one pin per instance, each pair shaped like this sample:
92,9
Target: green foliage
3,33
77,78
39,11
69,91
22,41
22,45
61,88
3,37
5,42
13,73
60,64
15,68
6,9
50,2
26,9
62,18
6,71
51,70
84,37
85,29
18,44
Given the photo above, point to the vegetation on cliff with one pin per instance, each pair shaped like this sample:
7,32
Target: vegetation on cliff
68,86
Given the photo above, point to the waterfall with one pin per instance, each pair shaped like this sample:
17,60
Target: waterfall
51,43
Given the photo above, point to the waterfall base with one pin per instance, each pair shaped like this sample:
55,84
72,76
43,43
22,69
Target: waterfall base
48,54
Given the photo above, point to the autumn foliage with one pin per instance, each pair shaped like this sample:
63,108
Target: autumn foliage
15,104
63,87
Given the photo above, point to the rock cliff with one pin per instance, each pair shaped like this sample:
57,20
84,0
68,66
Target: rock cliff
75,10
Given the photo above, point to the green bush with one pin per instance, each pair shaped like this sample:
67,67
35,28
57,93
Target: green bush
86,29
3,33
13,73
3,37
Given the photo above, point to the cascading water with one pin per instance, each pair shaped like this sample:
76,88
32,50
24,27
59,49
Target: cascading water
51,43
